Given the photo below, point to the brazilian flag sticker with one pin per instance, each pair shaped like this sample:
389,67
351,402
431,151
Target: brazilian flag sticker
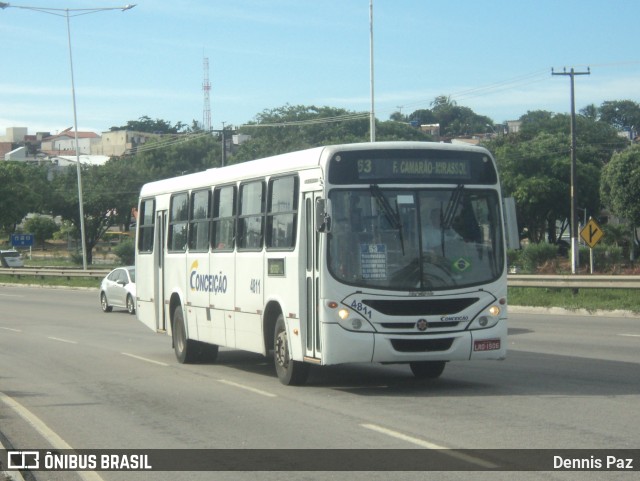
461,264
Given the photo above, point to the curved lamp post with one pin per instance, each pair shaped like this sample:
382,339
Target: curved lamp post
67,13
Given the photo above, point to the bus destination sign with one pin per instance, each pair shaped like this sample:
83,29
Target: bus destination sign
417,166
454,169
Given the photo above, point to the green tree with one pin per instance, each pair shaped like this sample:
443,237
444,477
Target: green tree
290,128
536,173
42,227
621,114
620,186
535,168
186,154
158,126
454,120
109,194
23,189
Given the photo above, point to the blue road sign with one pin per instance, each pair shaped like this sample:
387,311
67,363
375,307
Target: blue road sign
21,240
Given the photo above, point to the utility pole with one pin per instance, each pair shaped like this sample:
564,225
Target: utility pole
574,187
224,147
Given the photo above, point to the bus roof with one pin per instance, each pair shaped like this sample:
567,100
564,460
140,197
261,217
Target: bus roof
289,162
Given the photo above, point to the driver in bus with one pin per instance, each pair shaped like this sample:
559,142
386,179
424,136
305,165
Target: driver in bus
432,231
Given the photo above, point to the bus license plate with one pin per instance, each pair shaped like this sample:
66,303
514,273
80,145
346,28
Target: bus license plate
486,345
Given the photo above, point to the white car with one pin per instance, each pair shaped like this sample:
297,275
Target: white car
11,258
118,289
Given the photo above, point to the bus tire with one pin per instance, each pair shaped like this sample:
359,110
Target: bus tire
290,372
427,369
185,349
207,352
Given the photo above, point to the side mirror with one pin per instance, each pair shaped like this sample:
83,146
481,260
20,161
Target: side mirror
323,219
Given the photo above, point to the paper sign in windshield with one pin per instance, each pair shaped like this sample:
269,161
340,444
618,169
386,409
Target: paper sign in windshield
373,260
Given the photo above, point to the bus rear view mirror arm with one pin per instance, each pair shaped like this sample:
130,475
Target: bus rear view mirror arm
323,219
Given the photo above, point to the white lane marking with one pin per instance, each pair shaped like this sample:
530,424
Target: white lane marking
11,329
140,358
46,432
62,340
247,388
428,445
629,335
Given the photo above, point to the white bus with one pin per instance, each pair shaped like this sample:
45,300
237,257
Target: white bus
388,252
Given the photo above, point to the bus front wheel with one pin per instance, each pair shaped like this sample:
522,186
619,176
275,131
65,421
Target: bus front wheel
290,372
427,369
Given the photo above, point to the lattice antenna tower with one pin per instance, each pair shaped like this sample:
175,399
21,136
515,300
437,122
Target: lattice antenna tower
206,87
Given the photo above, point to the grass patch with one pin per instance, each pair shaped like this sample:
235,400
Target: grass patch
50,281
589,299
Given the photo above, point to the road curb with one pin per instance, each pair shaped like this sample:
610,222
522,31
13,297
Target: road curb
559,311
10,475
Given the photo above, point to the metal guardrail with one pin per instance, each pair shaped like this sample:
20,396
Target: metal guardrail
578,281
575,281
43,272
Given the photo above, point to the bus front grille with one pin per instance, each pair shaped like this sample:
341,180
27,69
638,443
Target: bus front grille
421,345
412,325
420,307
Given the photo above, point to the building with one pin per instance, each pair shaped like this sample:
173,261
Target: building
64,143
120,142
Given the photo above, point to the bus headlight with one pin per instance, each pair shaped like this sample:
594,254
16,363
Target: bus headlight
488,319
351,320
356,323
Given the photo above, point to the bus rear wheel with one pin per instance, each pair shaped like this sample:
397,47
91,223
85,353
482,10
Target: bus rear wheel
290,372
187,350
183,347
427,369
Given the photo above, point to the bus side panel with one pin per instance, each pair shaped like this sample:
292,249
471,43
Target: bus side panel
249,287
148,265
175,282
284,289
145,291
222,298
197,288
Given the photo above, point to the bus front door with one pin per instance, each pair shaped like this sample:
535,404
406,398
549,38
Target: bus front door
161,226
311,246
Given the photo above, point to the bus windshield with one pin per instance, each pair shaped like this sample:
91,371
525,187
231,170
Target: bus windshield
415,239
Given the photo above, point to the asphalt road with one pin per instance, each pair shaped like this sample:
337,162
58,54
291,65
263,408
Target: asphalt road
73,376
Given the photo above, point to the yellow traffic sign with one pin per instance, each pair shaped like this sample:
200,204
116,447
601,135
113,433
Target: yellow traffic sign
591,233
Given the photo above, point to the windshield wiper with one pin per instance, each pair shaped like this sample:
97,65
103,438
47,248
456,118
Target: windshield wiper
452,206
392,216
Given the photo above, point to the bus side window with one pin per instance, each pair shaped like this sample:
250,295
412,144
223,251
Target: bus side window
178,220
146,221
224,211
282,212
251,215
199,219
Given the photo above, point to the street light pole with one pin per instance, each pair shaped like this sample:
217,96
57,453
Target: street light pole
67,13
372,115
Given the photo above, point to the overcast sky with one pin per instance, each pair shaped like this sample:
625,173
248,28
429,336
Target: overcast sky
494,57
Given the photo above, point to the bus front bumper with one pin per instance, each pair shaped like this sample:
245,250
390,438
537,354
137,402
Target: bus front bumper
342,346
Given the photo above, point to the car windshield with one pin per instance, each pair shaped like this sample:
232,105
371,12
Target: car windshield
132,273
425,239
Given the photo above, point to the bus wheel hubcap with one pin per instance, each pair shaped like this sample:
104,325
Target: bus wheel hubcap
282,356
